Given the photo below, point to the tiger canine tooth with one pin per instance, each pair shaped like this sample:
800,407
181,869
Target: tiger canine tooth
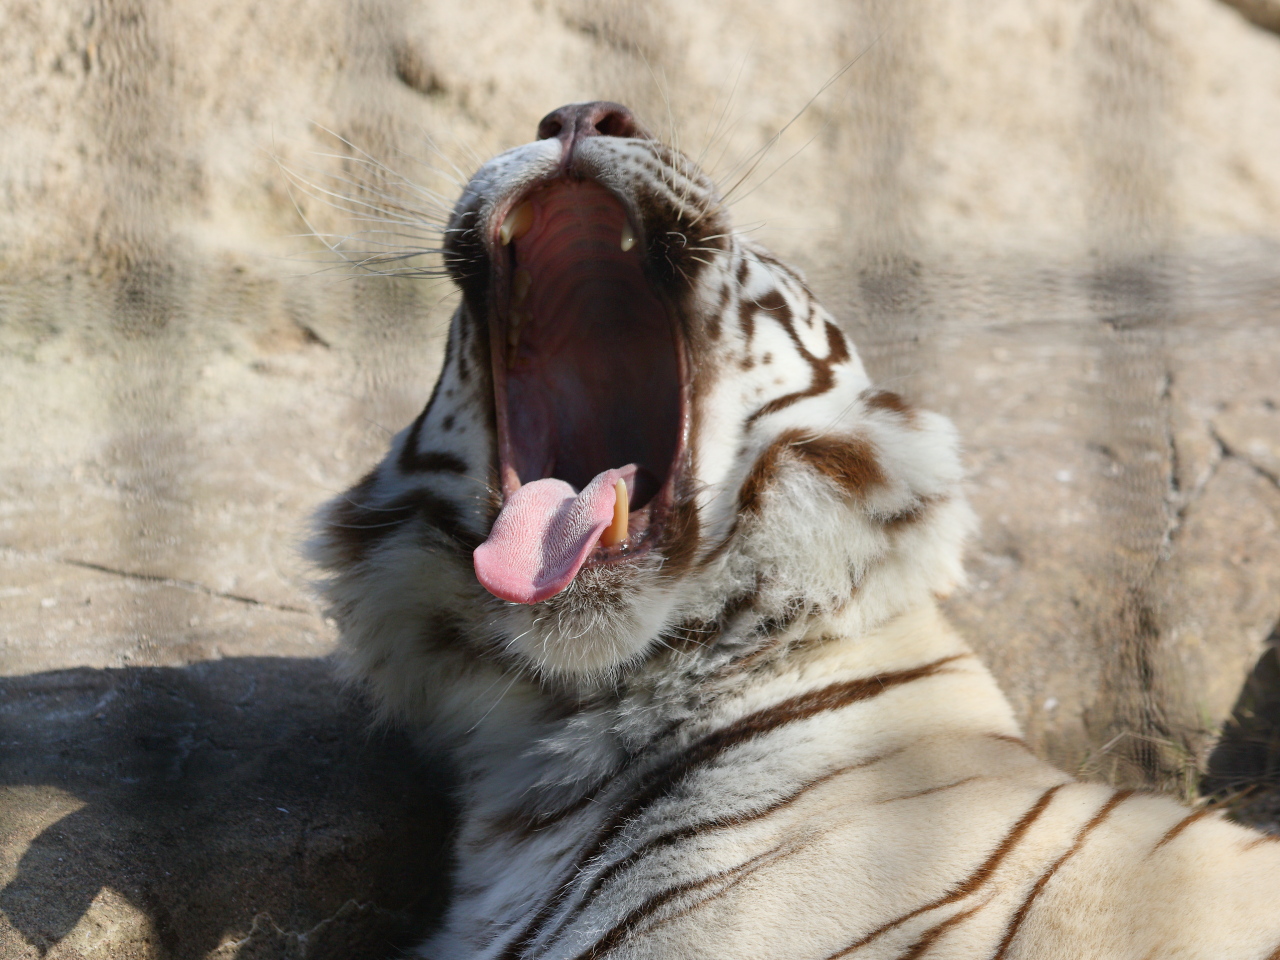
517,223
628,236
520,284
616,532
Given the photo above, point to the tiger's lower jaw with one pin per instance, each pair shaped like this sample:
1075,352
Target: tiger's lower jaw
606,618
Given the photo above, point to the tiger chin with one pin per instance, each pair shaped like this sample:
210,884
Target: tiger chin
657,567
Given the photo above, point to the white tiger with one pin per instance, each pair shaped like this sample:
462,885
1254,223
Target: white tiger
657,566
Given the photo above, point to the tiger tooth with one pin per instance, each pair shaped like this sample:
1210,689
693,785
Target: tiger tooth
628,236
616,532
517,223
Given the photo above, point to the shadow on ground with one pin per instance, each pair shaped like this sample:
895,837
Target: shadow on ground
236,806
1244,768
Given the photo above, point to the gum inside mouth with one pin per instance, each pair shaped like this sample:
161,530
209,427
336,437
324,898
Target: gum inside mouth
588,393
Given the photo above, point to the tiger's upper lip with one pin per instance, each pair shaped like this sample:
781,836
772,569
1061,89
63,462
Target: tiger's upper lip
589,364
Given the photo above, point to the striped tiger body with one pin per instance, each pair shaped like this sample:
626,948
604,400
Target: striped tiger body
657,567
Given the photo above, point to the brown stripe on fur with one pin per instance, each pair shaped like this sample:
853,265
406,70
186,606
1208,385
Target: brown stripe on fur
930,936
971,883
747,319
734,876
1274,954
823,376
774,303
1181,825
659,783
801,707
848,461
1009,738
438,461
717,315
1258,841
938,789
888,400
1024,908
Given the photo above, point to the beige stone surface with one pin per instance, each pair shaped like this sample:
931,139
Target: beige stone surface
1087,509
1057,222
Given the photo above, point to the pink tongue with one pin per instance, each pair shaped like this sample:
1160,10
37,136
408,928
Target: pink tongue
543,535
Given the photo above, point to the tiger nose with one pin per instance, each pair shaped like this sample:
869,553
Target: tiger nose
599,118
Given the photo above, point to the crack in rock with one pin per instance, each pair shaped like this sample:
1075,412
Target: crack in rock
191,585
1181,500
264,926
1251,464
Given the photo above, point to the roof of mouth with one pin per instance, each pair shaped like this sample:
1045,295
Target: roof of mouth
593,380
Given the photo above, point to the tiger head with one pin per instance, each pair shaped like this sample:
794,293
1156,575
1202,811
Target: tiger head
647,440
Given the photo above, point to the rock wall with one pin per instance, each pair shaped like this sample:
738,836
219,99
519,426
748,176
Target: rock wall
1057,222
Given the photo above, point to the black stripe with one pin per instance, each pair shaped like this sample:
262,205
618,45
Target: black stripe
411,461
524,825
725,823
734,876
662,781
1021,913
362,527
971,883
357,523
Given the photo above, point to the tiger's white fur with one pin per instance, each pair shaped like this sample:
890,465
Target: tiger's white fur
760,739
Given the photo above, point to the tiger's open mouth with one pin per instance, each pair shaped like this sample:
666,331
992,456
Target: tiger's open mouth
589,384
